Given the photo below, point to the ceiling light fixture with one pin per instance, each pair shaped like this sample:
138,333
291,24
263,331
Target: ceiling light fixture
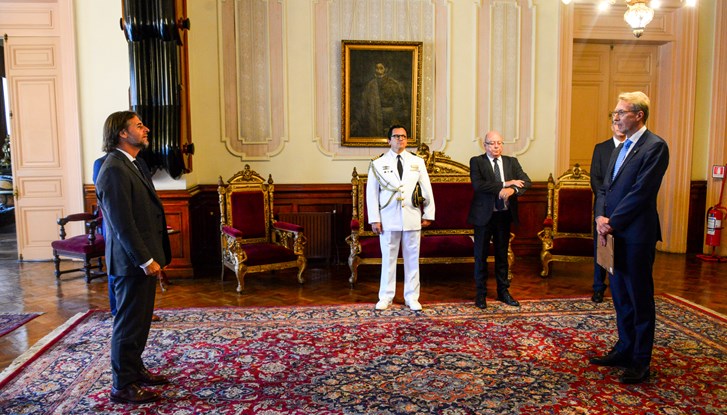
638,13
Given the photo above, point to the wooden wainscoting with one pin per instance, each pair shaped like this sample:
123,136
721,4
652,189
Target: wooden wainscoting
195,212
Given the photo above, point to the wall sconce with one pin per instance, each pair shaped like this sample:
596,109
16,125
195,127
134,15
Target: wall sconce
638,13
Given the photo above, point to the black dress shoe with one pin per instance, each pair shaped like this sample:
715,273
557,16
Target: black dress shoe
150,379
132,393
598,296
481,302
612,359
506,298
633,375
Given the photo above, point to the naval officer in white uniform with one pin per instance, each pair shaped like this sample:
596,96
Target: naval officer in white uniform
393,216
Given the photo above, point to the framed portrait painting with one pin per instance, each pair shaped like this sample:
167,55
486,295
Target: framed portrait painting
381,87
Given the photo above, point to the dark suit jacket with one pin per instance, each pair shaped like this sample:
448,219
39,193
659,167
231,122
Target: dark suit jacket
487,188
629,200
133,215
599,163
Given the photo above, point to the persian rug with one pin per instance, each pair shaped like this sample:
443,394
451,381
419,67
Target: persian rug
11,321
349,359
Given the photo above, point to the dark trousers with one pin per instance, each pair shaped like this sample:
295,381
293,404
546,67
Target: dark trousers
134,308
112,296
632,290
599,273
497,230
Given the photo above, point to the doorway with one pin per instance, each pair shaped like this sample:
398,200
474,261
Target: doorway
8,240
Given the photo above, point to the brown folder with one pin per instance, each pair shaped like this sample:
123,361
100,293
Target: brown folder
604,254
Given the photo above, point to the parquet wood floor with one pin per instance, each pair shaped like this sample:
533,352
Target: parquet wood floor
31,287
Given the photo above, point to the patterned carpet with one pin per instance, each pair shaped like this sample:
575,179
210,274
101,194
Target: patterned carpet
449,359
11,321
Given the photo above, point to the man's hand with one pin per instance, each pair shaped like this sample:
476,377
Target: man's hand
426,223
505,193
517,183
153,269
377,228
603,227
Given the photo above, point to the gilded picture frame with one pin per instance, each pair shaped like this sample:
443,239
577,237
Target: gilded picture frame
381,86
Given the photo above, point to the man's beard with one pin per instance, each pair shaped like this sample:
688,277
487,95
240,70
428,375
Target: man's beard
141,145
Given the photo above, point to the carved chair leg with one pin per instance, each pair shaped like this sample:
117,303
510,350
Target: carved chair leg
301,267
57,263
87,269
546,268
353,263
240,274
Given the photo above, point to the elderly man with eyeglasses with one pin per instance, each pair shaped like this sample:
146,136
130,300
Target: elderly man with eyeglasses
498,181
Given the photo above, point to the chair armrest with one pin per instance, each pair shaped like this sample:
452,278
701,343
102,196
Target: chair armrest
75,217
285,226
355,225
229,230
548,222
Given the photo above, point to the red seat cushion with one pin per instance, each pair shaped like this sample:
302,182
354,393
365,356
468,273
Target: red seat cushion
432,246
79,245
572,247
267,253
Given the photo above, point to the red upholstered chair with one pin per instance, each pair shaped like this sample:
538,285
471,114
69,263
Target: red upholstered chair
88,246
252,241
567,233
449,239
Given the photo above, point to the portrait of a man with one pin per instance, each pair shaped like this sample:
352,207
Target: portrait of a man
381,83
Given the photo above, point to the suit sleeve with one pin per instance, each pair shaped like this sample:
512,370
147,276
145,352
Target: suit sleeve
372,196
645,187
479,179
519,174
114,188
596,173
427,192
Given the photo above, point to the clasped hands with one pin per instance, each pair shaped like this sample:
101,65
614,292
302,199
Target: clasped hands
508,191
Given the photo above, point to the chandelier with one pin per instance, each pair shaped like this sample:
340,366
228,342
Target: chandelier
639,13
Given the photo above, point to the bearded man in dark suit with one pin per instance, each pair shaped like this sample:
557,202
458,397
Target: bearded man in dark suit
137,249
599,165
498,181
626,209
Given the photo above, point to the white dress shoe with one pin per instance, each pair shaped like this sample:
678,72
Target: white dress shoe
383,304
414,305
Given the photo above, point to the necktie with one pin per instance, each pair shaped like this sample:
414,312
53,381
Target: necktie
621,156
399,167
499,203
142,171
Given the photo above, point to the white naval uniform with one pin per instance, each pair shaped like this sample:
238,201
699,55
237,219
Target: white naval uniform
400,221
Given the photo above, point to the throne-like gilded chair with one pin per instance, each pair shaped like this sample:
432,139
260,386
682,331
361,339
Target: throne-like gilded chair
252,240
567,233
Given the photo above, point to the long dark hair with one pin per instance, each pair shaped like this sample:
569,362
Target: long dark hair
112,128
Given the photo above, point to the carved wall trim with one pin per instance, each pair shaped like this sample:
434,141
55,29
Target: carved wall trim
673,112
252,81
408,20
506,63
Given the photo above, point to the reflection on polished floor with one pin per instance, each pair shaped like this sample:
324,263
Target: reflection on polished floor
32,287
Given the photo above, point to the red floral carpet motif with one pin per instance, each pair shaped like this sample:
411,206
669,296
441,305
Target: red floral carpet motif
448,359
11,321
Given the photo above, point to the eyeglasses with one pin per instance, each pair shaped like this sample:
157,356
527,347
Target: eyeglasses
493,143
620,113
399,137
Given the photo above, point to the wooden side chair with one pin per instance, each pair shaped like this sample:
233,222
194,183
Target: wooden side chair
88,246
252,240
567,233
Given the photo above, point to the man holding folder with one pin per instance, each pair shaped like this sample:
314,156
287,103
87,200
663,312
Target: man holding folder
626,209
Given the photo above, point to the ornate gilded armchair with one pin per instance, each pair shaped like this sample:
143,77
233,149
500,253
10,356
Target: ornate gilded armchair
252,241
567,233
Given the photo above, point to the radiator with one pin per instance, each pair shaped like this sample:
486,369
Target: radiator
317,227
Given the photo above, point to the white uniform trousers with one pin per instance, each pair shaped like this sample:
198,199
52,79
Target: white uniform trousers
389,242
